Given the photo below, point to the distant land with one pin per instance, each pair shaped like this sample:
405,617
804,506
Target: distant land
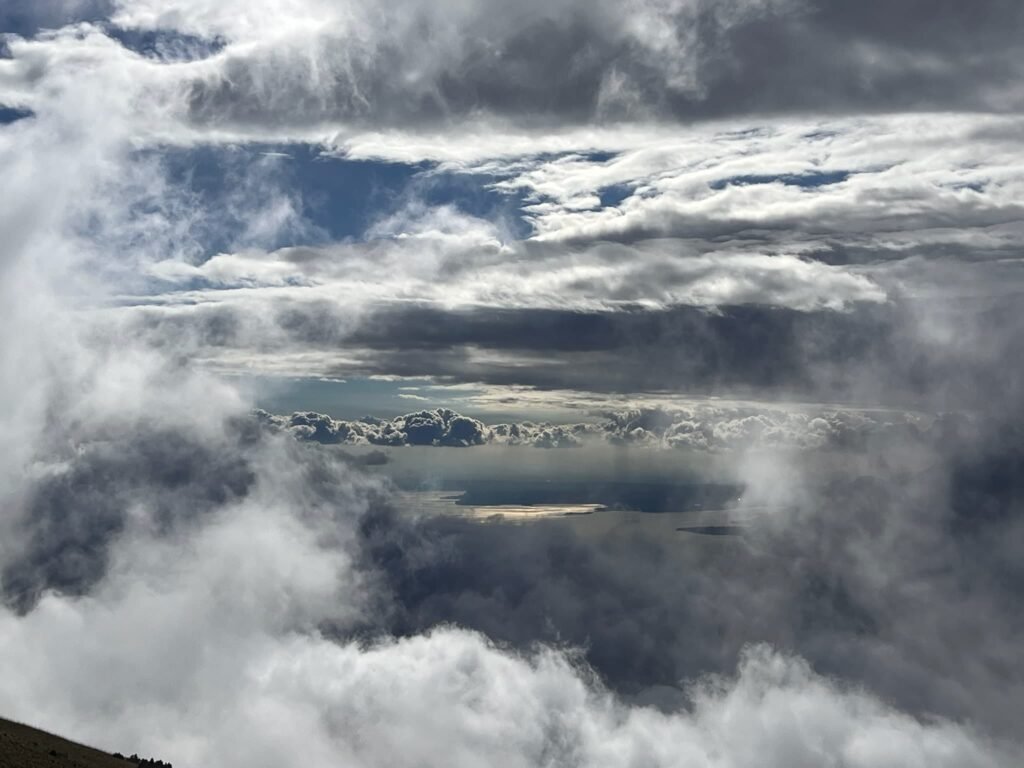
22,746
713,530
651,497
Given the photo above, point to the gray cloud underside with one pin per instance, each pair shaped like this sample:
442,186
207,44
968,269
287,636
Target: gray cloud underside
571,62
937,356
349,68
891,235
804,214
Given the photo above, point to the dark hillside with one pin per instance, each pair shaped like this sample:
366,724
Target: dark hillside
24,747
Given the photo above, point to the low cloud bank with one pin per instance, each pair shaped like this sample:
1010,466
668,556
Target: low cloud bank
703,428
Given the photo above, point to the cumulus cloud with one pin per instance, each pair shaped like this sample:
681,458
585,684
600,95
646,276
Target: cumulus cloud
437,427
465,270
450,696
797,182
706,428
926,354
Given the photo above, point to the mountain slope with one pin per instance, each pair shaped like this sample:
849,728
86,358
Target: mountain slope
22,746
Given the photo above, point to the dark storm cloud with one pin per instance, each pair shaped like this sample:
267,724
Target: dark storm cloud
510,80
871,352
111,483
681,349
935,354
71,516
601,351
875,55
573,62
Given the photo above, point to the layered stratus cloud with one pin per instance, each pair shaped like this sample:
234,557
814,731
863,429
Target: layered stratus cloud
178,580
624,210
318,64
925,354
854,226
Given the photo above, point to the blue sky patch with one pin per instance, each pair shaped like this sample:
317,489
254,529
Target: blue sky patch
339,199
806,180
166,45
27,17
975,186
615,194
10,115
354,398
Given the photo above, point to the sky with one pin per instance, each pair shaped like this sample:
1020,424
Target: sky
280,279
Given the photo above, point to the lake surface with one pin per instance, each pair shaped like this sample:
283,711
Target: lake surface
705,526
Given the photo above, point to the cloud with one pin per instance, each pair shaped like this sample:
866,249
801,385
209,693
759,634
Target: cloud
180,582
729,218
705,428
259,599
438,427
317,69
79,506
27,18
234,633
787,180
322,64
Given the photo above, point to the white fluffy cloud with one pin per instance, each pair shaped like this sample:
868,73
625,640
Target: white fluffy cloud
204,650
